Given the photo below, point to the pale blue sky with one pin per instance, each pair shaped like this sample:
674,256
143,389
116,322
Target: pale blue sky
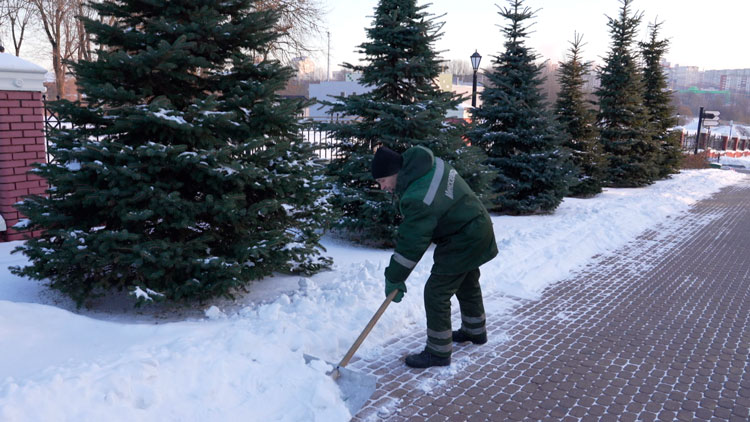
709,34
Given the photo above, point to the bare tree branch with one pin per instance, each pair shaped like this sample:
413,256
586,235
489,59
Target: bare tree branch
60,25
460,67
16,15
299,22
85,45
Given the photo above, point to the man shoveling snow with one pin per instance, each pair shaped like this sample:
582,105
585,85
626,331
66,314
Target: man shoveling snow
438,207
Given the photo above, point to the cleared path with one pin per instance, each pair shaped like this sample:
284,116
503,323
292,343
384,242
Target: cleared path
659,330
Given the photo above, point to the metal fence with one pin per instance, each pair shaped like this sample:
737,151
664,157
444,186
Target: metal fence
323,143
715,142
51,121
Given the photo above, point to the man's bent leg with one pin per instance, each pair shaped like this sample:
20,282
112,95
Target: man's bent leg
473,322
437,302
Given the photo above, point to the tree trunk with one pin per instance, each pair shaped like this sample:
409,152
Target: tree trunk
57,66
17,41
53,14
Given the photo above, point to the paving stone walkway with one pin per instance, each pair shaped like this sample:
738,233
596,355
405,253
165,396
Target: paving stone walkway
659,330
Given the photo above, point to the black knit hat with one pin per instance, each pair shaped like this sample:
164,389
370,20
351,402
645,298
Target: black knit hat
386,162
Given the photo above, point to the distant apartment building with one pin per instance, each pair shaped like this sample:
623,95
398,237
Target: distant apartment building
591,81
732,80
683,77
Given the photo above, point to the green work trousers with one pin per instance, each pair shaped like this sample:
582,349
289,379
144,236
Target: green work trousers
437,302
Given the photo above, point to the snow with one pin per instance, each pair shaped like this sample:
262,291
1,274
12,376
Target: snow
141,294
22,224
11,63
243,359
740,162
164,114
227,170
735,130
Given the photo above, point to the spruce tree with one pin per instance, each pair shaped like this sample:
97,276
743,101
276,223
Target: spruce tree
658,100
404,108
623,119
184,176
578,123
516,131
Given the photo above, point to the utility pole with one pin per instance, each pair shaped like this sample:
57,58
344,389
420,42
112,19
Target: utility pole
328,67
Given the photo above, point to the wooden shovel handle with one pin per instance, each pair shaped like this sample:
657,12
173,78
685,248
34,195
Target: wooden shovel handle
368,328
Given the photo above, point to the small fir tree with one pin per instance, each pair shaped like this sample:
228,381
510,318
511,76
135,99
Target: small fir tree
184,176
404,108
623,119
658,100
578,123
516,131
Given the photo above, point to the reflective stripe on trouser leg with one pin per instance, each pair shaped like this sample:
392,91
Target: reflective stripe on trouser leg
473,325
437,304
469,296
440,342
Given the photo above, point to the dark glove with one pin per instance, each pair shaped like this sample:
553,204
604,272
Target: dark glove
389,287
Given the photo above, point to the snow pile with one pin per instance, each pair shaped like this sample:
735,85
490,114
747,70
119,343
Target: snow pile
742,162
245,362
191,371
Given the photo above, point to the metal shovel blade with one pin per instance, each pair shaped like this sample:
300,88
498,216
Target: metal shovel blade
356,388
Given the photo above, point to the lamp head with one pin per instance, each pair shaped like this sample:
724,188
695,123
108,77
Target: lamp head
475,59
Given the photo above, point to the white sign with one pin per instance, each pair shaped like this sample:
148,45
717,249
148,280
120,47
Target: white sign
713,115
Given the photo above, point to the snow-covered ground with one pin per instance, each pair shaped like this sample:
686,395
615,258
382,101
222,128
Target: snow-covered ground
243,360
742,162
734,130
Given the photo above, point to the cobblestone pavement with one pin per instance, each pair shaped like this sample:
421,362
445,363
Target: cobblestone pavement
659,330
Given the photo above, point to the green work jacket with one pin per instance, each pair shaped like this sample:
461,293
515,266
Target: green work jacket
438,207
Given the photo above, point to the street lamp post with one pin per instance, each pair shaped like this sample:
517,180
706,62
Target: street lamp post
475,59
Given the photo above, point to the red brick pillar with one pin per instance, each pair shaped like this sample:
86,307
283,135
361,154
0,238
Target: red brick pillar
21,138
724,142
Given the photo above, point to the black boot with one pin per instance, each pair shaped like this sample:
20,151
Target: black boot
460,336
426,359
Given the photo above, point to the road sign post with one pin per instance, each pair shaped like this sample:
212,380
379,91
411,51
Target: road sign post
707,119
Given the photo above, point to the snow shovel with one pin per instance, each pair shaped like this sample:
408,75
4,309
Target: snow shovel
356,388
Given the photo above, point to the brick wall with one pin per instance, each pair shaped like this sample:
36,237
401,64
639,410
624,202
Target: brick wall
21,144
